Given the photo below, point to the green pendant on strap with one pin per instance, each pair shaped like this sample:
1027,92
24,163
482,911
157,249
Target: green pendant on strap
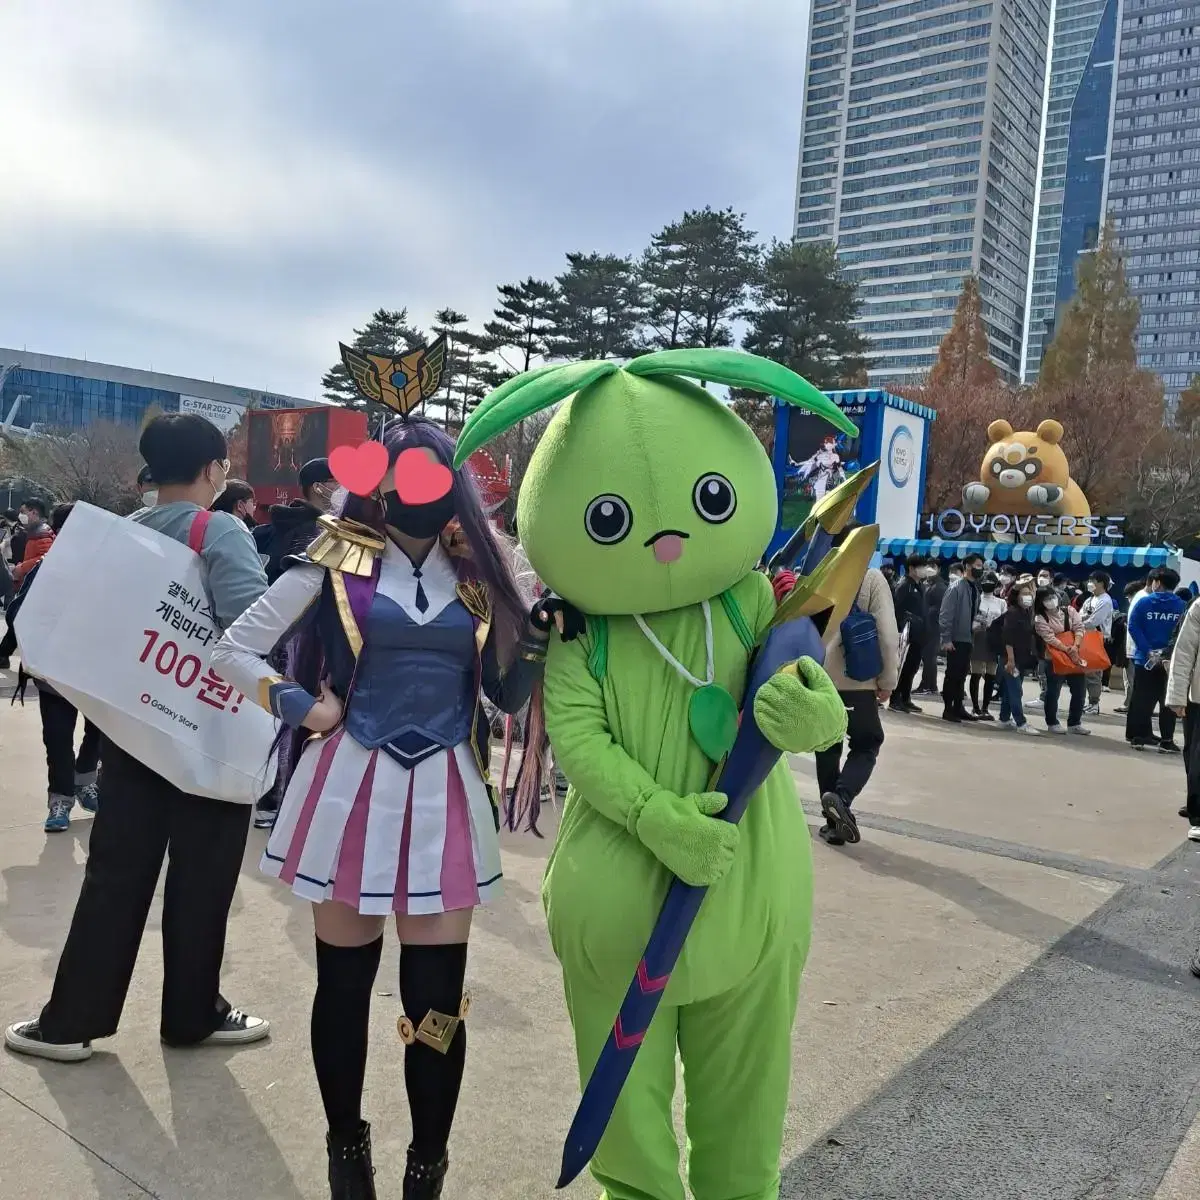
713,720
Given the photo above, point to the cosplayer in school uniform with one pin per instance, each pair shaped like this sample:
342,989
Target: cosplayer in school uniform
401,611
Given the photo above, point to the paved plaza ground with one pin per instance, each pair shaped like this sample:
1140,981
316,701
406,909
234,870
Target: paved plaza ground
997,1005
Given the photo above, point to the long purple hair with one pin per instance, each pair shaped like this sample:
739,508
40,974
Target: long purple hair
474,550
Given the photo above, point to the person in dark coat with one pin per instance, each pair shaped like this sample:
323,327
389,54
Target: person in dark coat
935,589
909,597
292,526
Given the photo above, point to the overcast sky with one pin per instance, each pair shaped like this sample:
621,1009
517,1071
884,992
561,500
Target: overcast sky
223,189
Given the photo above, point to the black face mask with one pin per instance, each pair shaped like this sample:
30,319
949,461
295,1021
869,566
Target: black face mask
418,520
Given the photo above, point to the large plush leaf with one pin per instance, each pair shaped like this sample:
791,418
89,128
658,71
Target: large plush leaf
523,396
733,368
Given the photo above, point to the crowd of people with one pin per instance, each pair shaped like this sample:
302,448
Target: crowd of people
993,629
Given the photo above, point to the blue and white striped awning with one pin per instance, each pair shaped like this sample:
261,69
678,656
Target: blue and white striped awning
1026,552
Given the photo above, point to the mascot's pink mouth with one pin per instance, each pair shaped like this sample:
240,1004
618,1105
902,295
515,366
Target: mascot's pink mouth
668,545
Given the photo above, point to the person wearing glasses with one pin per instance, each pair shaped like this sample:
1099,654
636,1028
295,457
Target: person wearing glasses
292,526
143,819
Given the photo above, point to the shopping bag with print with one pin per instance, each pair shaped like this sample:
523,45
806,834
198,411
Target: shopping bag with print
118,621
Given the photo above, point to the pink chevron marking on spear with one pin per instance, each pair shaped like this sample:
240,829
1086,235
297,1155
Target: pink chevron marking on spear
646,983
626,1041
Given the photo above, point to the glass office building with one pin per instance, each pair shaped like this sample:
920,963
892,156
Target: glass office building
40,392
1074,160
1154,181
918,157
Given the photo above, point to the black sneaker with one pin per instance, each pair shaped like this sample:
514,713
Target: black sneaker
953,717
983,715
1183,812
839,818
1168,748
237,1029
1140,744
26,1038
826,834
264,818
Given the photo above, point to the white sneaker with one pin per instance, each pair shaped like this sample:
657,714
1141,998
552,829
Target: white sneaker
238,1028
1194,833
1079,729
1091,710
1008,723
1056,729
1029,729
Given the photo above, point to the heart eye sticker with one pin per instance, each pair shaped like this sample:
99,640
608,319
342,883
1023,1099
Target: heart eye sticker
359,469
419,480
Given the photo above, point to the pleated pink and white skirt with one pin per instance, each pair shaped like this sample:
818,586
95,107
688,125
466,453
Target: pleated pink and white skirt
357,827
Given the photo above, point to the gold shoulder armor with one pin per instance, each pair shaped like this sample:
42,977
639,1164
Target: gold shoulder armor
345,546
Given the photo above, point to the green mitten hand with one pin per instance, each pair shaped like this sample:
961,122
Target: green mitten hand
798,709
681,833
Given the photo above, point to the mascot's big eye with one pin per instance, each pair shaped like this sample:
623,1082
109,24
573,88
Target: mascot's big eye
608,520
1031,468
714,498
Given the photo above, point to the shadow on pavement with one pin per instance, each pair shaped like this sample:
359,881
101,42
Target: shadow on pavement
217,1145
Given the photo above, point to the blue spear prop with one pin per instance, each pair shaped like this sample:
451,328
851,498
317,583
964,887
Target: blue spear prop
828,586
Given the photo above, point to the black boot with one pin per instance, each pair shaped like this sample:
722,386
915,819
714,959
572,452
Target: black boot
423,1181
351,1175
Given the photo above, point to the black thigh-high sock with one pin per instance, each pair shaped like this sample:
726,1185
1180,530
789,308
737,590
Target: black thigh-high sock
975,691
431,978
989,690
341,1014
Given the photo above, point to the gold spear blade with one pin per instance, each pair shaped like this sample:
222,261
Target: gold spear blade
829,592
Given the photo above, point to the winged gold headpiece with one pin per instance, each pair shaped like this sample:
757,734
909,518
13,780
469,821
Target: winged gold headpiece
403,383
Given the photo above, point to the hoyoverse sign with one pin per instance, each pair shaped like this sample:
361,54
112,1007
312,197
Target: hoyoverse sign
954,524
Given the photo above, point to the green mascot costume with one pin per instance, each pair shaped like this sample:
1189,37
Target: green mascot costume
647,506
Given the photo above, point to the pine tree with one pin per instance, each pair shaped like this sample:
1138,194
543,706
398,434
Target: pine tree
962,358
387,332
695,273
599,308
523,321
446,323
802,314
1098,325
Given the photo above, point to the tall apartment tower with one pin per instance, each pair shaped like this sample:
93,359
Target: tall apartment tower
1129,152
918,157
1154,181
1074,161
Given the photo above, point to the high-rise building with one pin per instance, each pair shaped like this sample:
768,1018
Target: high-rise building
919,146
1074,160
1130,153
1154,181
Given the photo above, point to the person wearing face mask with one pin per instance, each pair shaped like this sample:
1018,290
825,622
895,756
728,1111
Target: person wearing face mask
1097,613
412,615
956,624
983,658
147,488
935,590
1007,578
238,500
39,537
1016,646
143,819
909,598
1153,620
1051,621
293,525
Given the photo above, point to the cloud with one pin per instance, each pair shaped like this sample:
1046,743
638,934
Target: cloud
224,191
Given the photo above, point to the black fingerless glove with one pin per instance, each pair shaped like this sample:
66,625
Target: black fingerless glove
542,616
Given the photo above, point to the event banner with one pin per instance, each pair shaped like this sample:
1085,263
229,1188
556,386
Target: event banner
134,658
